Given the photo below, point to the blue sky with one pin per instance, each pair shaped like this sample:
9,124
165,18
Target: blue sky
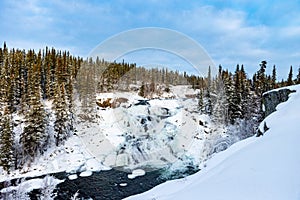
233,31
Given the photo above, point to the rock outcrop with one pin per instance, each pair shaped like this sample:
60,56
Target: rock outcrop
111,102
273,98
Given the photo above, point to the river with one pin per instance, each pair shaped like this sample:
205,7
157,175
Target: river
106,185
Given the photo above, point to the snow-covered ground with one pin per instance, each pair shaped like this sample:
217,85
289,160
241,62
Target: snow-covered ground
265,168
20,192
70,157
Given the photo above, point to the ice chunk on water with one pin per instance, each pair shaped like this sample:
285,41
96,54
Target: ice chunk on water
86,173
72,177
135,173
123,184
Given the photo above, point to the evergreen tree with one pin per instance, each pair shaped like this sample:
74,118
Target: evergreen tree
261,78
290,77
34,136
298,76
6,132
235,108
209,80
200,101
208,103
142,90
268,83
254,83
228,86
273,83
6,143
220,107
245,92
231,98
61,124
70,108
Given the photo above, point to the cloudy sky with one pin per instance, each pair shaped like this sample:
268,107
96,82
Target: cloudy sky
231,32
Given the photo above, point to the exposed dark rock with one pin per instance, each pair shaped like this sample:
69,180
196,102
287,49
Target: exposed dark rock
118,102
201,123
143,121
112,103
104,103
266,128
259,133
272,99
165,111
142,102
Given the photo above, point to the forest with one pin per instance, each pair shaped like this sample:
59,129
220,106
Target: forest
38,92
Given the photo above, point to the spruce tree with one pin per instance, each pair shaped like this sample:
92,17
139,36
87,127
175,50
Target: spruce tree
6,132
208,103
261,78
209,80
273,82
236,99
290,77
61,124
219,113
231,98
220,106
142,90
6,143
34,136
245,92
70,104
200,101
298,76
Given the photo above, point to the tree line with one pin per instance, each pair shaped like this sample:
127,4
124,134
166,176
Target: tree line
28,81
234,98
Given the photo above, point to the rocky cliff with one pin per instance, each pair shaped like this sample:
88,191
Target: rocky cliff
273,98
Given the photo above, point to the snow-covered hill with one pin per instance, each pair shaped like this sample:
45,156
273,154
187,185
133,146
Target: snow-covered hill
266,168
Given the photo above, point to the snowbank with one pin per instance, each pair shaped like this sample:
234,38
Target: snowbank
71,157
33,184
265,168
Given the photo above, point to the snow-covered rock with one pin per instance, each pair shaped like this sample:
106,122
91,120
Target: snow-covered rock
32,184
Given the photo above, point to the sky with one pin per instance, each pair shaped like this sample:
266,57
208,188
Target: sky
231,32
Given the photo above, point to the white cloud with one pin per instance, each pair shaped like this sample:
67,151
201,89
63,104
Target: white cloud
225,34
290,31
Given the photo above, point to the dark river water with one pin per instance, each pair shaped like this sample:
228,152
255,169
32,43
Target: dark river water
105,185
